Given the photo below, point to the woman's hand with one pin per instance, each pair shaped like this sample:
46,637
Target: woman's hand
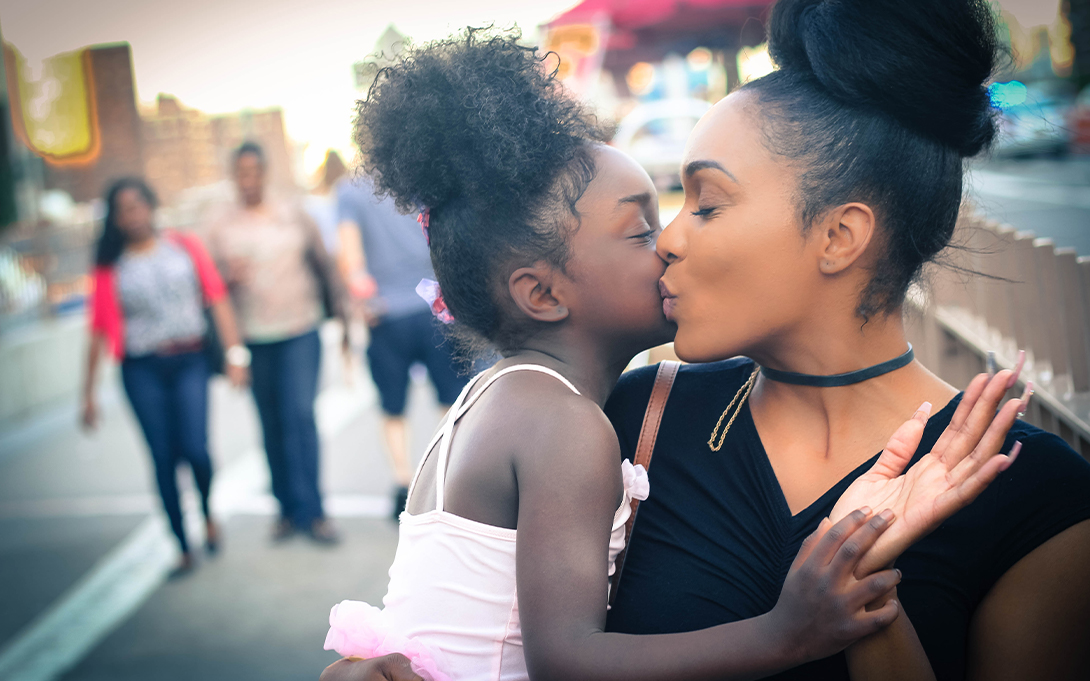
964,461
89,413
822,607
395,667
238,376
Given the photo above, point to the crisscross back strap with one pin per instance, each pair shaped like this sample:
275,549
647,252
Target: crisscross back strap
458,410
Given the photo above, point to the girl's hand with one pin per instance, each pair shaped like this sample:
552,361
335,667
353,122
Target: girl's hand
822,608
964,461
395,667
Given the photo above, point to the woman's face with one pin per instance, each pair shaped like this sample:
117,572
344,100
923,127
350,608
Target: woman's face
134,215
614,264
740,272
250,178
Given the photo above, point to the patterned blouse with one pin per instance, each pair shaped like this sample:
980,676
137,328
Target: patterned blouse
160,298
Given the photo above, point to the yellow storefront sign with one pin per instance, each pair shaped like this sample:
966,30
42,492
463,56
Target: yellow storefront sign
53,109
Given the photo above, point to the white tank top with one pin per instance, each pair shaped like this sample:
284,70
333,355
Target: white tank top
452,603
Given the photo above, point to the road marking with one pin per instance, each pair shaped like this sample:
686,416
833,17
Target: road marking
104,598
119,584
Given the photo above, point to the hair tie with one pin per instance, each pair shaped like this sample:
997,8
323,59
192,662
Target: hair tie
423,219
431,293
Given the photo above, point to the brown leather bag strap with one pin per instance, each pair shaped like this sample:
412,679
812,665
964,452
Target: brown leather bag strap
645,447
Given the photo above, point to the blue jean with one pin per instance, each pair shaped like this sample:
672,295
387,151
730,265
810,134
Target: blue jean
284,378
169,395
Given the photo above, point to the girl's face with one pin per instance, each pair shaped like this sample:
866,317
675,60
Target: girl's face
614,264
741,275
134,215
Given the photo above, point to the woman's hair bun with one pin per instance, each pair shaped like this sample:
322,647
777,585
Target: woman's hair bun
925,62
476,117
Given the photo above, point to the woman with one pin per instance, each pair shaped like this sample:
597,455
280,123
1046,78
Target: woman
813,197
283,284
150,290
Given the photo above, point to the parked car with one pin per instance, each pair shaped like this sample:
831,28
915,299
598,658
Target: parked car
655,135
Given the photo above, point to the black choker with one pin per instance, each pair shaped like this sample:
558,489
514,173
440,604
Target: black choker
837,380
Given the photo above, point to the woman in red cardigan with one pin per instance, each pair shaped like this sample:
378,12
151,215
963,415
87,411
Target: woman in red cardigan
147,310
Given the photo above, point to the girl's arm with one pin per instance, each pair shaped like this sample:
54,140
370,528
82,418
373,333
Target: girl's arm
569,487
892,654
89,412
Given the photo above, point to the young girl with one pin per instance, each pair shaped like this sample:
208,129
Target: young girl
543,243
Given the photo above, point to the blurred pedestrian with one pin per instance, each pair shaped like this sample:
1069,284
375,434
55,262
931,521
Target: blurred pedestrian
386,256
283,284
321,202
150,291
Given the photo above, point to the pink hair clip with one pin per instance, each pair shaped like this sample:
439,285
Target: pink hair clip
433,296
423,219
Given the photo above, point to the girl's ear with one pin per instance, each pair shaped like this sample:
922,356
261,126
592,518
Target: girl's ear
532,290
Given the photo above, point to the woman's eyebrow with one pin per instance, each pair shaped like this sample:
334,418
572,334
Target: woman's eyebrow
696,166
641,198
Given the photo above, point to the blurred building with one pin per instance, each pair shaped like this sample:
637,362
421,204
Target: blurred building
179,148
114,145
80,116
185,148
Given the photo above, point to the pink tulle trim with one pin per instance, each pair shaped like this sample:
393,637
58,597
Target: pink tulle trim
358,629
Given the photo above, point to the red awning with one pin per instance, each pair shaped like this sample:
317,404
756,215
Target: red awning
635,14
647,29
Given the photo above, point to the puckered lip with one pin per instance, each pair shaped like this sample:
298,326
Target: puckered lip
664,291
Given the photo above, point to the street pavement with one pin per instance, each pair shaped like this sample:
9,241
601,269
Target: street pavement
85,551
1049,197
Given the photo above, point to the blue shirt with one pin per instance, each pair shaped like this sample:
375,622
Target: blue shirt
396,252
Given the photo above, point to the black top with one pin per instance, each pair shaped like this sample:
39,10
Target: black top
715,540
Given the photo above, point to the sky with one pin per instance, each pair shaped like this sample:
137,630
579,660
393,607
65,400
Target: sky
226,55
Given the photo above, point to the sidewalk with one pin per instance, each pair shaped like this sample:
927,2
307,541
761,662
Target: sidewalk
84,549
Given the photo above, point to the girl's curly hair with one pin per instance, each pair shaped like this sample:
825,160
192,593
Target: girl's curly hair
476,128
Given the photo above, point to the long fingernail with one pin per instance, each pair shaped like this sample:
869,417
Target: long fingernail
886,515
1017,369
991,365
1026,394
924,410
1012,455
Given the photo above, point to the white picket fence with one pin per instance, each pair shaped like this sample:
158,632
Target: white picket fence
1028,295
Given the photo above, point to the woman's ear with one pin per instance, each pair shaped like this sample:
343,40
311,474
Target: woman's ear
847,232
532,290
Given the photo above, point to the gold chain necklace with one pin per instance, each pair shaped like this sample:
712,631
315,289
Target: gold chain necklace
740,398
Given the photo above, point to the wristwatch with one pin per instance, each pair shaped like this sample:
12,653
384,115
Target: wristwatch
237,356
